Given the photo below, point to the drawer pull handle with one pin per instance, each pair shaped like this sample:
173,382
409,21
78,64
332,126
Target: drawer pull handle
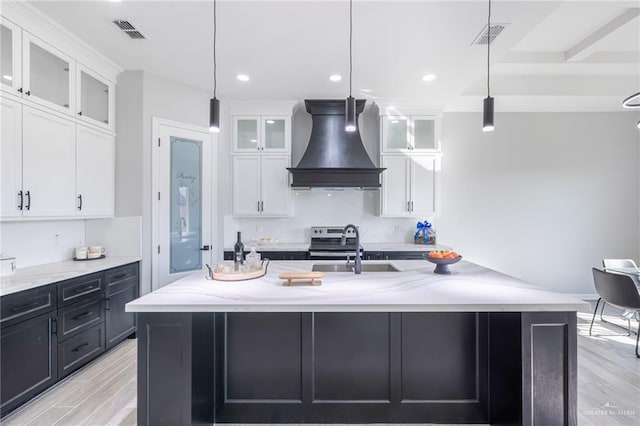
120,276
80,290
23,307
76,349
84,314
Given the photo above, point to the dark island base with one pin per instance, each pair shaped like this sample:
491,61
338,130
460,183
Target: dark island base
498,368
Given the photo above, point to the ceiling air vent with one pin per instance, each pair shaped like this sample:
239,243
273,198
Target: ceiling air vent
128,28
483,38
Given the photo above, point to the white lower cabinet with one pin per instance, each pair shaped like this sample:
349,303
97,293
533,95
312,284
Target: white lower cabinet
409,185
261,185
48,165
95,172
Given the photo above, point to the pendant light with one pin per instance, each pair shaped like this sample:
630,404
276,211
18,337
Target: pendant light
350,124
629,104
214,104
487,106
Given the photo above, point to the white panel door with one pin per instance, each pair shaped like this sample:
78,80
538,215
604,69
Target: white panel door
185,218
11,196
48,164
424,184
95,176
246,185
11,57
395,197
276,194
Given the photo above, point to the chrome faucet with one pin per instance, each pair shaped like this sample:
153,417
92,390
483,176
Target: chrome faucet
357,263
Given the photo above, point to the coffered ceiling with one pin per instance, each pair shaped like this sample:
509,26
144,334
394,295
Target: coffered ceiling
553,55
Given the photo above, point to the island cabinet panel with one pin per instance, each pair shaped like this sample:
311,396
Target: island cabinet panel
351,357
263,357
441,357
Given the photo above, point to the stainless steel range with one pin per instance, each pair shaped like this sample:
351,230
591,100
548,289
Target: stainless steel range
325,243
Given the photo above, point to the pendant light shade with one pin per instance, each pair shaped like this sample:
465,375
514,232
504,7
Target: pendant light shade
214,115
487,115
632,101
350,122
214,103
487,105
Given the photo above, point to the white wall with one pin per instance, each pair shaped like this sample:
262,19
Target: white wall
37,242
545,197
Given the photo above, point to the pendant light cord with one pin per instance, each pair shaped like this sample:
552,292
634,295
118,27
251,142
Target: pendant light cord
215,68
350,44
488,47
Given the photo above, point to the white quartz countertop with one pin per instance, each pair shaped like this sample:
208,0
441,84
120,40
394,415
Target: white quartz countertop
471,288
36,276
367,247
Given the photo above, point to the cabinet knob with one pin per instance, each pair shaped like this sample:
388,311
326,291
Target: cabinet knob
79,112
28,93
20,90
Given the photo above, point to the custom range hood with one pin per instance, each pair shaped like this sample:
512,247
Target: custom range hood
334,157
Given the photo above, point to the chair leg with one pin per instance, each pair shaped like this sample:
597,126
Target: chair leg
638,340
602,310
595,311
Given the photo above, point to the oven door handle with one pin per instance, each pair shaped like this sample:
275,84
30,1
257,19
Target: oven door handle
333,253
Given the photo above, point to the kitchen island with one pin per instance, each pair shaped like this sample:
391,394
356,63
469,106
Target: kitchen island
411,346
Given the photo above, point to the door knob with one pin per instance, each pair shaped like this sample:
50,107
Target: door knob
205,248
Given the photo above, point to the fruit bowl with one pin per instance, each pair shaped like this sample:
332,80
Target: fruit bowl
442,263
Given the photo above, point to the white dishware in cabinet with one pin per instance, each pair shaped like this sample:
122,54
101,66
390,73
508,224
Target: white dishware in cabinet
409,185
95,172
261,185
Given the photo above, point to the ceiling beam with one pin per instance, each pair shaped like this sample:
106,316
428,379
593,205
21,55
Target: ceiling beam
585,47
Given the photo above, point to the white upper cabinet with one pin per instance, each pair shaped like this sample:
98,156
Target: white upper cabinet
268,134
408,134
409,185
11,196
95,172
48,165
10,57
261,185
48,75
95,98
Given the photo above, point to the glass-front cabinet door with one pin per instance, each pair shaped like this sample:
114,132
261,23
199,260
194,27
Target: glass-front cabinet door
395,134
10,57
276,134
425,135
48,75
95,98
246,134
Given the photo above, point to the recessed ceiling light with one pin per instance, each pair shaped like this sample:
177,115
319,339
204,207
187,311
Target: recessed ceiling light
270,121
7,77
243,77
428,77
335,77
115,1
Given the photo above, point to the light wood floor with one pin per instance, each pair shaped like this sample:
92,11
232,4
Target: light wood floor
104,392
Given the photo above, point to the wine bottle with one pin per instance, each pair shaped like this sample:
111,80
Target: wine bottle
238,253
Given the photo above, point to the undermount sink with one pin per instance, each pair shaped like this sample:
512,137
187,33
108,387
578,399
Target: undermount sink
341,267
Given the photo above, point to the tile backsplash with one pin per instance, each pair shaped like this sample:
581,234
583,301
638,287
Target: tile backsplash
325,208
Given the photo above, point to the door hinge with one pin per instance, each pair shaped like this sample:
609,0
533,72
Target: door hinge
158,195
158,141
158,249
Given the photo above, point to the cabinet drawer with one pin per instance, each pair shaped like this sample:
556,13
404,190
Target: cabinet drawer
80,349
27,304
80,316
80,288
123,275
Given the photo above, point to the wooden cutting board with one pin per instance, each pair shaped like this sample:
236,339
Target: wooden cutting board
312,276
